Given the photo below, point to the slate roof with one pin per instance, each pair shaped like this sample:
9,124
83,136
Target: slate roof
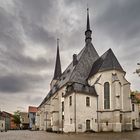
83,68
77,73
32,109
107,61
80,88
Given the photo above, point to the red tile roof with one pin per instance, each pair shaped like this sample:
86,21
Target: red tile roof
32,109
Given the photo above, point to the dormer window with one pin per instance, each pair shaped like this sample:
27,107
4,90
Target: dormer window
68,71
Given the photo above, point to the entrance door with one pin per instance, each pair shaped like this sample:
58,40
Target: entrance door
87,124
133,123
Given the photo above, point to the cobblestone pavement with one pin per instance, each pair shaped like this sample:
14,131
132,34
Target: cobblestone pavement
41,135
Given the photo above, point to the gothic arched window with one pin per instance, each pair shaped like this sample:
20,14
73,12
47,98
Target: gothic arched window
119,88
106,95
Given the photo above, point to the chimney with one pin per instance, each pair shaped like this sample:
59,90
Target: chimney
75,61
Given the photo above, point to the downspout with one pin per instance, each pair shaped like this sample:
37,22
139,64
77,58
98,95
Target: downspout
46,120
97,115
62,123
75,110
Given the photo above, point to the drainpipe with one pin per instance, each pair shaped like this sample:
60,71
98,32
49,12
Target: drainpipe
46,120
97,115
75,110
62,123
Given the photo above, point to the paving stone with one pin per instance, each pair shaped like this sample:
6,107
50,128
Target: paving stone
42,135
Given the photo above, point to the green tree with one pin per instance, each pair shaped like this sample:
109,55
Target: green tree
138,70
135,96
16,118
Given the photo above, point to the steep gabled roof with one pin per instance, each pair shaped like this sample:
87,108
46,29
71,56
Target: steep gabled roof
83,68
107,61
32,109
76,73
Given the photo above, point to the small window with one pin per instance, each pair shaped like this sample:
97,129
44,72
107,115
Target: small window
120,118
106,123
133,107
70,100
62,117
70,120
62,94
87,101
62,106
68,71
63,78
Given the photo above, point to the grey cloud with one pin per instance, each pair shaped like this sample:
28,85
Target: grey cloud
14,83
120,20
34,16
10,33
19,61
33,100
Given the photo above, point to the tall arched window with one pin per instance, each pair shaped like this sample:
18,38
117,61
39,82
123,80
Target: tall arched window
119,89
106,95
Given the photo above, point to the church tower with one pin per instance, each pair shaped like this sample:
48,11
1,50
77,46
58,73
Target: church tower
57,71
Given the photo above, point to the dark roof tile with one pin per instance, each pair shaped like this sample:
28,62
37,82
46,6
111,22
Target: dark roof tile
107,61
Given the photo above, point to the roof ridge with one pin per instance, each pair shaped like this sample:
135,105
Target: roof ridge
94,53
106,61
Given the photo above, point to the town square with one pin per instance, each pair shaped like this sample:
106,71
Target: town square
41,135
69,69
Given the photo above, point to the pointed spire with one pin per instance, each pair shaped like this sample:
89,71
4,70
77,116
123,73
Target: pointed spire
88,23
57,72
88,32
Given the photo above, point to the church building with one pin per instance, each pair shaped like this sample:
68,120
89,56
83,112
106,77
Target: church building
91,94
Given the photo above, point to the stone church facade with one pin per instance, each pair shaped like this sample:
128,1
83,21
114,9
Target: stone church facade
91,94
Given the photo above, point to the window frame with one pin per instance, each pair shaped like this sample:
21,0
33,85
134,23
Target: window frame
70,100
107,95
133,107
63,106
87,101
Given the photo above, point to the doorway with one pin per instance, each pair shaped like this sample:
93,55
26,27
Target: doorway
87,124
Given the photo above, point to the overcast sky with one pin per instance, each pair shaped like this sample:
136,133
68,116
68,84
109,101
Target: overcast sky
28,33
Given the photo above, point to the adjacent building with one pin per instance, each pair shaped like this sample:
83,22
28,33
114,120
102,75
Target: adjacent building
6,121
6,117
2,122
32,117
92,93
24,120
12,124
135,110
